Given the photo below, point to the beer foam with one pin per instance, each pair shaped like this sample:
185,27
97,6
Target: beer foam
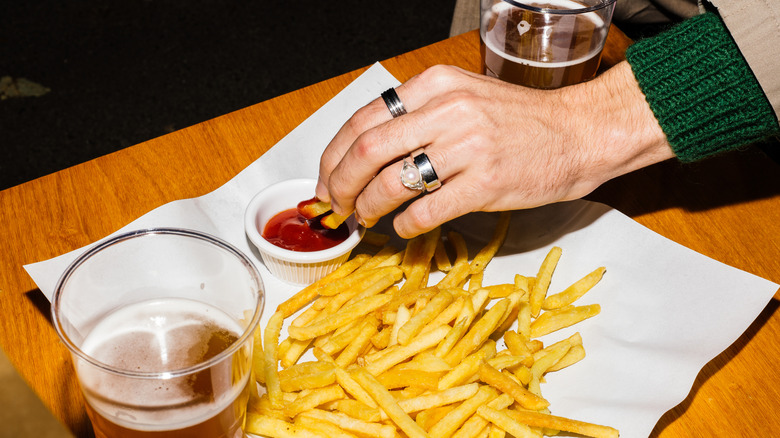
159,336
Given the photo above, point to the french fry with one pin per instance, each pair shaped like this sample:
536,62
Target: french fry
575,291
314,208
352,387
436,399
258,357
313,399
354,409
307,294
553,320
342,317
367,330
376,239
271,427
575,354
536,419
401,317
441,258
362,428
476,423
426,419
542,282
416,323
468,367
388,404
504,421
445,427
294,383
422,343
322,428
333,220
505,384
271,340
487,253
393,379
479,332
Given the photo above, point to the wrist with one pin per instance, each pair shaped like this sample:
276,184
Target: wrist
617,131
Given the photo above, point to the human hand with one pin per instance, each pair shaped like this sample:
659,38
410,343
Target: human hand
495,146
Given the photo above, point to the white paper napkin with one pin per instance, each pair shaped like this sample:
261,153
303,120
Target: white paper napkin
666,310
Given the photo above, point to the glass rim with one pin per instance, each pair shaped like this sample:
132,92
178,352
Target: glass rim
601,5
182,232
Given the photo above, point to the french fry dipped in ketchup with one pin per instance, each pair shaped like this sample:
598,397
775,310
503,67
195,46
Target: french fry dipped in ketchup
313,208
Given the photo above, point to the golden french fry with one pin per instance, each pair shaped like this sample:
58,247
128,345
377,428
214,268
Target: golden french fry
445,427
342,317
505,384
271,340
352,387
359,281
542,282
373,238
385,400
536,419
345,422
573,292
333,220
312,380
468,367
424,362
367,331
417,259
393,379
461,249
504,421
476,423
436,399
441,258
355,409
307,294
456,276
487,253
258,357
398,355
321,427
271,427
479,332
416,323
447,315
553,320
313,399
575,354
516,344
426,419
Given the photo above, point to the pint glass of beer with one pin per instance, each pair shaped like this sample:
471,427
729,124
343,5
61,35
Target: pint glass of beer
160,324
543,43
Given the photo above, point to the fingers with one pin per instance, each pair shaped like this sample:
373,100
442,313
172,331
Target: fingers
371,138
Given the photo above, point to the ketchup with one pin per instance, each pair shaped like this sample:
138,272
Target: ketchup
290,230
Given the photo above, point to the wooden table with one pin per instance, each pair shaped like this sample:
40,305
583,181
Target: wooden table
726,208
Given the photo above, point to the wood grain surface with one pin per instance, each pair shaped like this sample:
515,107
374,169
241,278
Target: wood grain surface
726,208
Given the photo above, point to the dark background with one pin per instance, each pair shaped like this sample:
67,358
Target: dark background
125,71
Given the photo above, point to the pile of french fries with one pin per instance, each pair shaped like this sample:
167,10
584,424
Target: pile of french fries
396,357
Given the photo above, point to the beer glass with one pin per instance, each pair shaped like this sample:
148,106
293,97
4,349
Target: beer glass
543,43
160,325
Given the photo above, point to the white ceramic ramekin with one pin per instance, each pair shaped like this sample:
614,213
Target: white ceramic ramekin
297,267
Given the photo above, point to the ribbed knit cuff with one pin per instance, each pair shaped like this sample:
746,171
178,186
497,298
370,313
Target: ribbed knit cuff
700,89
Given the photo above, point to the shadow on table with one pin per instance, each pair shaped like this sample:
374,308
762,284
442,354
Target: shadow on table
715,365
728,179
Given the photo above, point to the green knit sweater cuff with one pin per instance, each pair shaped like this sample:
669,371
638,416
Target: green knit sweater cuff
700,89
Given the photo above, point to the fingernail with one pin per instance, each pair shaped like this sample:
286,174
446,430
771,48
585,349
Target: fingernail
321,191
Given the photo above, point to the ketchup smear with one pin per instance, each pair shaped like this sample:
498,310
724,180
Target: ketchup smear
290,230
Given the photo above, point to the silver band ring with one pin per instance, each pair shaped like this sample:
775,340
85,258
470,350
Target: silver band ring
429,178
393,103
418,174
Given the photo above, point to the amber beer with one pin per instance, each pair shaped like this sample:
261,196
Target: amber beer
540,50
166,334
